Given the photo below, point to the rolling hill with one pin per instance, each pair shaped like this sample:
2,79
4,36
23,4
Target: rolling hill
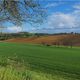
69,39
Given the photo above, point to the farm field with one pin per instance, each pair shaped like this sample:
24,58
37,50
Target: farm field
39,39
52,40
62,62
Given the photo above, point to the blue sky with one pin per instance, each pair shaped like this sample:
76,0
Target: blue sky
63,16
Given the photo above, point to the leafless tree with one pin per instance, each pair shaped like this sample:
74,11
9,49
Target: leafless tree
19,11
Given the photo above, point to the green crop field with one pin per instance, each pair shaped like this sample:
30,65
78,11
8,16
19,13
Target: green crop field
61,61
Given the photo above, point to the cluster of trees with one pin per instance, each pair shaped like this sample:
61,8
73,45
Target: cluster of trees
5,36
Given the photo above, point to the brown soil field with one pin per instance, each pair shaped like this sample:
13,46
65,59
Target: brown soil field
52,40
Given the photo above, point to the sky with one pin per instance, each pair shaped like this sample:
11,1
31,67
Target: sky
63,16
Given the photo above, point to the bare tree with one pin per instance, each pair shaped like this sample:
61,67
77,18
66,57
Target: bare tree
18,11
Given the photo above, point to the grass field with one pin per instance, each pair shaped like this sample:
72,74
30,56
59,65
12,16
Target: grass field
62,62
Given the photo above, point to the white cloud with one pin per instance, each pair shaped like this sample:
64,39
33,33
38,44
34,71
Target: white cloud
77,6
14,29
51,5
55,4
61,20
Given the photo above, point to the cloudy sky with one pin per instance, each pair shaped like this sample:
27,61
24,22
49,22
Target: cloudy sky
63,16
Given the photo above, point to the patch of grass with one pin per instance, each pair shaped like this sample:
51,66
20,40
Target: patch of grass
59,61
17,71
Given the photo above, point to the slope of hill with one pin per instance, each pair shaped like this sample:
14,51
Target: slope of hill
69,39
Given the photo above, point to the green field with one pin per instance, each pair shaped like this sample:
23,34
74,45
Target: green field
61,61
